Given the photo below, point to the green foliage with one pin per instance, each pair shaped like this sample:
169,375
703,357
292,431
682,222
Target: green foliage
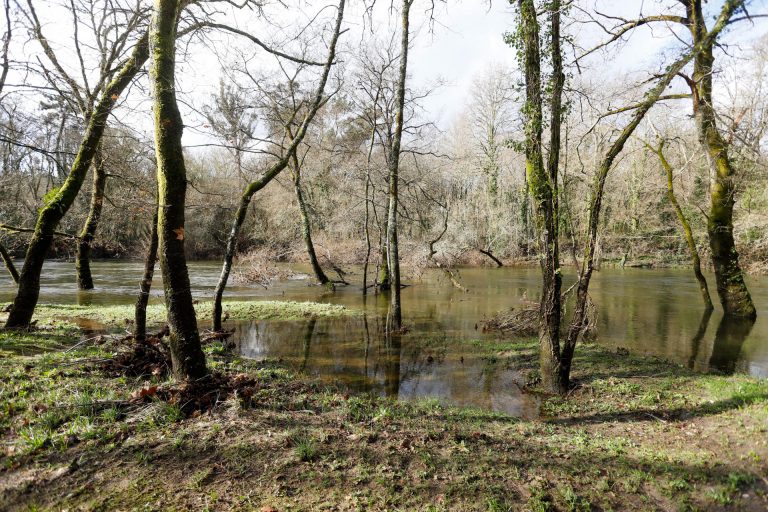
305,448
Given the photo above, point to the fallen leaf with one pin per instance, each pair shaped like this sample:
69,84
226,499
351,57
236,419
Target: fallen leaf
179,233
141,393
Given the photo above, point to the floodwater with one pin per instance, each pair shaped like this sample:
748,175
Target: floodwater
651,312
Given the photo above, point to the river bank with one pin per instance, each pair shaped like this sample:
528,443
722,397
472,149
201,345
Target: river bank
636,434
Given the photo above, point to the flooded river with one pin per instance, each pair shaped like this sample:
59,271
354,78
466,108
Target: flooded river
653,312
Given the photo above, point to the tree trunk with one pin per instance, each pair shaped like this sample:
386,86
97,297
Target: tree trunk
395,318
383,277
490,255
579,317
54,210
8,261
272,172
306,225
367,227
367,231
543,185
187,357
140,332
229,256
733,292
687,232
83,258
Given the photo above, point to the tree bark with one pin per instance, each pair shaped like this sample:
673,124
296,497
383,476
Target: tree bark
54,210
367,227
490,255
140,332
395,317
306,225
187,357
686,225
88,233
543,184
731,288
383,277
8,261
272,172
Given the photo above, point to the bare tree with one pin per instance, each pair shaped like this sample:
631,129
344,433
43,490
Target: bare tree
274,170
685,224
187,357
54,210
395,317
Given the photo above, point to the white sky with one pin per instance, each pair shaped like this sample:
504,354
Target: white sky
465,40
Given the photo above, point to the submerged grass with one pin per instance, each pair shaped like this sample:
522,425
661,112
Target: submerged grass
71,317
637,434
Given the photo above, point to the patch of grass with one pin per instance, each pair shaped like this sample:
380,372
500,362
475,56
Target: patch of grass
67,316
539,501
632,426
34,439
305,448
573,502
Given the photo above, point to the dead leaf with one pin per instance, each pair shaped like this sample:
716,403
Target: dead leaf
141,393
179,233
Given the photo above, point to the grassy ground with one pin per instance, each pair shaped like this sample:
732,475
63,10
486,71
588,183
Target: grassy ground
56,316
638,434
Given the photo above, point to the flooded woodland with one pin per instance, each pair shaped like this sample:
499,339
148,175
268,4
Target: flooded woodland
416,255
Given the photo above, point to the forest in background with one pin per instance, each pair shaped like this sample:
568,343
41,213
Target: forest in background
629,132
464,197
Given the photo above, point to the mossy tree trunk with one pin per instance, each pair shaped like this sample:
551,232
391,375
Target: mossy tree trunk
140,314
543,182
579,317
395,318
686,225
272,172
88,233
731,288
187,357
54,210
306,224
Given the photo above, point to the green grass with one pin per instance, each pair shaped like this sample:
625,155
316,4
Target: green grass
637,434
65,316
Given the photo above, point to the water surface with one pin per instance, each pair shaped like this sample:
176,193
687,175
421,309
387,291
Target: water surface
651,312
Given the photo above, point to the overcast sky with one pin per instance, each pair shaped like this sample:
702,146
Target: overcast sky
465,39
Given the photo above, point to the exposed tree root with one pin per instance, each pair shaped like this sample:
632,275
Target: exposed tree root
201,395
142,359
